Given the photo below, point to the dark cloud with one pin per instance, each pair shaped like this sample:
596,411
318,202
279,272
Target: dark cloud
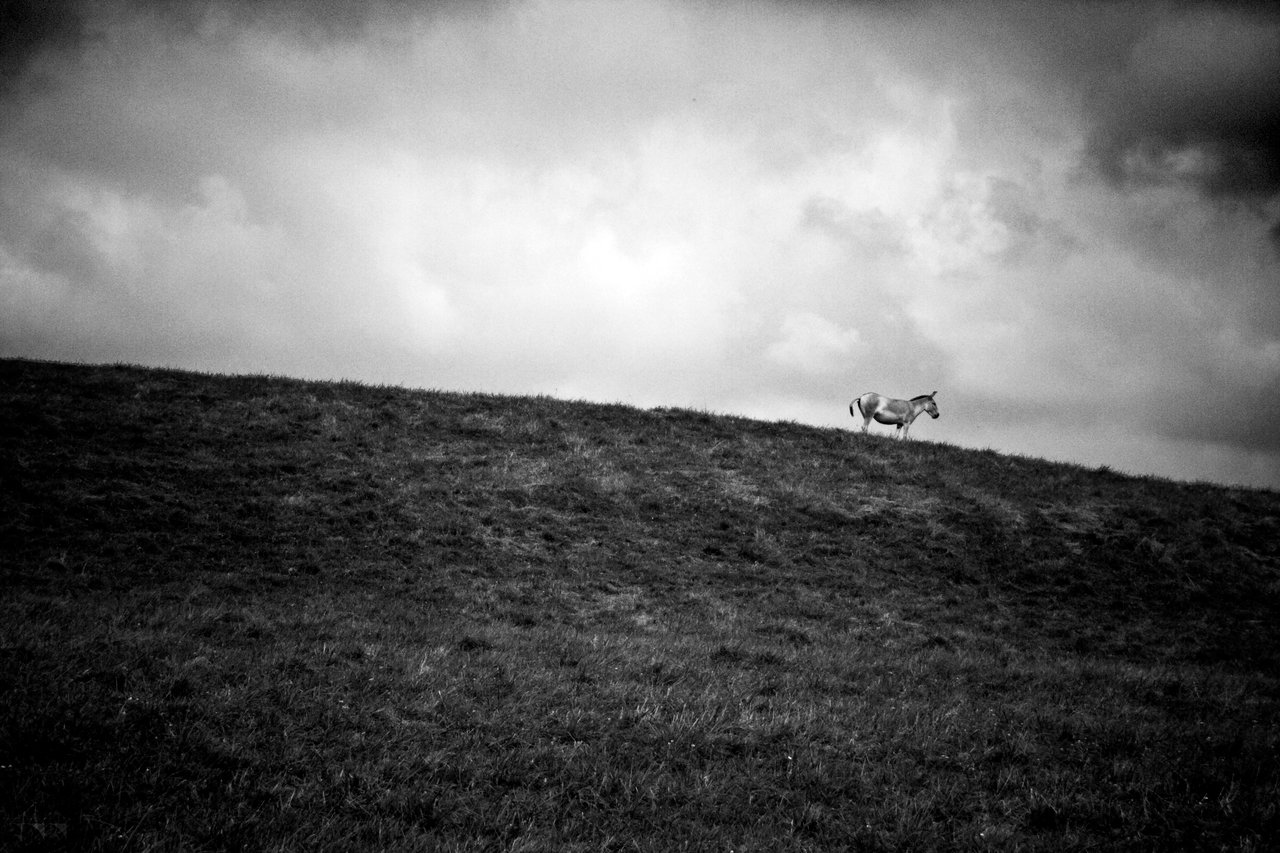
28,27
1170,94
1197,103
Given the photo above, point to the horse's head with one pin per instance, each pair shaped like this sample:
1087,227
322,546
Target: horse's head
931,407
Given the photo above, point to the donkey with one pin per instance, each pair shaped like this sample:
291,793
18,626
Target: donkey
888,410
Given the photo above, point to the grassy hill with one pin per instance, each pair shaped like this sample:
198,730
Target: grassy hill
260,613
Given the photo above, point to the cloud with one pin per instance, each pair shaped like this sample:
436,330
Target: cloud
1164,94
811,344
92,268
1196,103
28,27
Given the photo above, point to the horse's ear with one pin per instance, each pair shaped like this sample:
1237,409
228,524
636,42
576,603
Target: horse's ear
934,394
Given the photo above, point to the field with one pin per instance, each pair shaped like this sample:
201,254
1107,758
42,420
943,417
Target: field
261,613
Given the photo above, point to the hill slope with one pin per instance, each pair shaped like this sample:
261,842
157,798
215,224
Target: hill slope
251,610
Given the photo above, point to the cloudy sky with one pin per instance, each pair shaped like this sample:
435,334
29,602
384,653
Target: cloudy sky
1065,218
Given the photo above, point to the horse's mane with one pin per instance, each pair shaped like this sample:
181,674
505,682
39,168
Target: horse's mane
921,397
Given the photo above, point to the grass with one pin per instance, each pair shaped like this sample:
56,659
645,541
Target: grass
260,613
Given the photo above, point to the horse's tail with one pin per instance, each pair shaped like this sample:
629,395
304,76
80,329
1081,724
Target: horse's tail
857,401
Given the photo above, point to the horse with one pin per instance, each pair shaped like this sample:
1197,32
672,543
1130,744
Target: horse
887,410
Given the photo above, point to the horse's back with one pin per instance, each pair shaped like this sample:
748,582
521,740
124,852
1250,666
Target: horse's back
885,410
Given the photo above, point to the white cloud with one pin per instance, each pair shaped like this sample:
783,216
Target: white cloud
812,344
